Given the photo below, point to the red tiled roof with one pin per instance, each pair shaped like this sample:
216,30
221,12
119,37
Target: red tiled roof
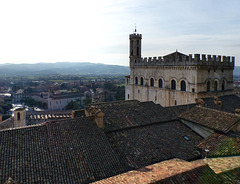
214,119
145,145
221,145
66,151
125,114
152,173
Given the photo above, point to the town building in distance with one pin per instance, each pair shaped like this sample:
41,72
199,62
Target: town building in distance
176,79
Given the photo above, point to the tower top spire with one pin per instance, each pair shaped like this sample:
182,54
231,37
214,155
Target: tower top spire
135,30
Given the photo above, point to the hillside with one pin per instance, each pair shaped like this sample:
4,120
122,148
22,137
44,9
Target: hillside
236,71
63,68
68,68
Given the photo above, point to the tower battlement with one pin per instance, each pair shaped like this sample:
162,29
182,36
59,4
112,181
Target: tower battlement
135,35
177,59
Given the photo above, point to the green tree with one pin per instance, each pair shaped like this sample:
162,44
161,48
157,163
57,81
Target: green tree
87,100
73,105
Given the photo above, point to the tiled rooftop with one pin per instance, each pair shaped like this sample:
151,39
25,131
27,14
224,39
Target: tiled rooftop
8,123
66,95
145,145
232,176
176,171
214,119
229,103
125,114
221,145
36,117
67,151
179,109
199,175
152,173
221,164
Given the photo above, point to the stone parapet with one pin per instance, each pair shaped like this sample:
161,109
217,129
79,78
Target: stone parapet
196,60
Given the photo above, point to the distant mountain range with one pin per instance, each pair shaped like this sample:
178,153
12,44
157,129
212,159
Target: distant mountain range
236,71
63,68
68,68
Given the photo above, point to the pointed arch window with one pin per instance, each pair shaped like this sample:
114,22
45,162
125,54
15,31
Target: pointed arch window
208,85
160,83
183,85
136,80
141,81
215,86
223,85
173,84
152,82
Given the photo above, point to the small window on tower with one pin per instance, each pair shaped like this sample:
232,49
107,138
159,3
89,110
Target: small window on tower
18,116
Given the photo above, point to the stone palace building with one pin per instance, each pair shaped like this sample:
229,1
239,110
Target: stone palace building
176,79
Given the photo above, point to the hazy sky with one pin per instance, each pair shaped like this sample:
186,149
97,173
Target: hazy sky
98,31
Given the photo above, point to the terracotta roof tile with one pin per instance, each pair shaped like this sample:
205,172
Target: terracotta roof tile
229,103
232,176
152,173
145,145
221,145
67,151
125,114
214,119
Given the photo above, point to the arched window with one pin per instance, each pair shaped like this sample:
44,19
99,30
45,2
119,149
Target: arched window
223,85
141,81
18,116
215,86
208,85
183,85
160,83
136,80
152,82
173,84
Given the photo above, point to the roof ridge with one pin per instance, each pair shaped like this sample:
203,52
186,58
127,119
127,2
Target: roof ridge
113,102
223,112
24,127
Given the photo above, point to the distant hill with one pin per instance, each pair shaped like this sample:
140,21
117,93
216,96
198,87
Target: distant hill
236,71
63,68
68,68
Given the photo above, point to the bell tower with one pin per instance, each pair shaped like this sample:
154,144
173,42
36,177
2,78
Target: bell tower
135,46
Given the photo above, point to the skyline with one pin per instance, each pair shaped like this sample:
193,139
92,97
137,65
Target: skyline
98,32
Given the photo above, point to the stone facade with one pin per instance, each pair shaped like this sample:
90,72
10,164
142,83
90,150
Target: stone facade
176,79
59,101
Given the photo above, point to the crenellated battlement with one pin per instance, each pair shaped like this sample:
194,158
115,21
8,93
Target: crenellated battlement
178,59
135,35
